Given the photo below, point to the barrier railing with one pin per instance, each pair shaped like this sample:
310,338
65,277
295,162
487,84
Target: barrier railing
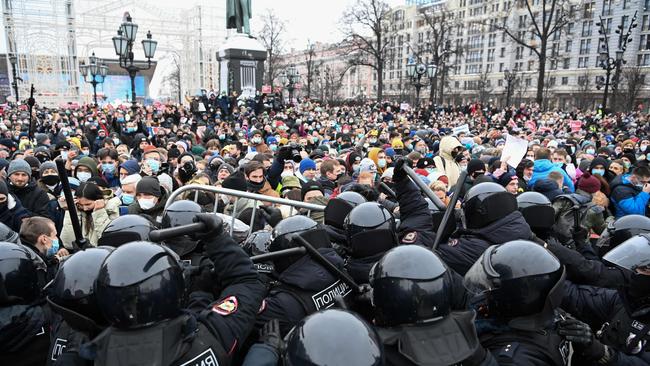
218,191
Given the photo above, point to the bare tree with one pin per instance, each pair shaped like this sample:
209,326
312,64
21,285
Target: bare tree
271,35
172,81
534,28
312,67
483,87
634,81
366,35
333,81
584,91
441,29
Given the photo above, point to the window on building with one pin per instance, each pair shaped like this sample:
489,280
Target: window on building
588,10
585,46
503,52
566,63
586,28
568,46
528,82
551,81
607,7
565,80
501,67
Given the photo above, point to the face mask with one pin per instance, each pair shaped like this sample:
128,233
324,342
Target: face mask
64,155
381,163
116,141
421,150
273,147
85,152
83,176
409,146
590,151
627,164
600,172
372,141
50,180
644,148
154,165
286,174
127,199
53,249
146,203
463,168
108,168
130,129
222,137
430,170
253,186
360,135
256,140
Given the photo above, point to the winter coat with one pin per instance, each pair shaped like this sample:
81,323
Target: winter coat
33,198
626,198
445,162
91,230
543,167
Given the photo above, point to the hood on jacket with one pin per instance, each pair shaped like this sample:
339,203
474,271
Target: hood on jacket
89,163
309,275
548,188
447,145
372,154
543,165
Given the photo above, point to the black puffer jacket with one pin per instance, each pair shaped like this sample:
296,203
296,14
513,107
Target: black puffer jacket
466,246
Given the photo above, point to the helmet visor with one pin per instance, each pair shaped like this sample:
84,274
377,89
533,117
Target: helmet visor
633,254
481,277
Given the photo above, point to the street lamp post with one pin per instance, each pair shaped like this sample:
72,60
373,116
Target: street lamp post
13,60
415,72
289,78
94,73
509,77
123,44
612,64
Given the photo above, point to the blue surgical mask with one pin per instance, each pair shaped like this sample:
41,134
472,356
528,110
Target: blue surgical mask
127,199
154,165
108,168
381,163
53,249
600,172
130,129
83,176
117,141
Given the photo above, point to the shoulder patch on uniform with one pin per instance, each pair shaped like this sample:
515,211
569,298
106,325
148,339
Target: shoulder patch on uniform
226,306
410,238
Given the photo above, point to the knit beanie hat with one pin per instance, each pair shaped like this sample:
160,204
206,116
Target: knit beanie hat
131,166
3,188
589,183
312,185
19,166
48,165
367,165
235,181
307,164
475,165
149,185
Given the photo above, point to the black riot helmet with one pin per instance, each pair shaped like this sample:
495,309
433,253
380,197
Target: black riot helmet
22,274
437,215
125,229
621,230
633,255
411,285
334,338
7,235
338,208
370,229
258,243
283,238
139,284
180,213
486,203
537,211
72,292
519,278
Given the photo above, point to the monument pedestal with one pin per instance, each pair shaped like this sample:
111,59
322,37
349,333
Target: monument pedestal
241,65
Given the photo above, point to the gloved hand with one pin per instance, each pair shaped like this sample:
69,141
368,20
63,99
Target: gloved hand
580,236
399,174
272,215
284,153
213,225
202,280
270,335
582,338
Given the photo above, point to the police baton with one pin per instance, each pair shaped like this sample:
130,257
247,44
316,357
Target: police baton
80,242
331,268
450,209
266,257
384,188
423,187
173,232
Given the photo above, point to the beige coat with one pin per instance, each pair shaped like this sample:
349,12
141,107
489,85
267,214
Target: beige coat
91,232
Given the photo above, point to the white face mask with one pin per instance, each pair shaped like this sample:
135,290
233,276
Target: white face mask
83,176
146,203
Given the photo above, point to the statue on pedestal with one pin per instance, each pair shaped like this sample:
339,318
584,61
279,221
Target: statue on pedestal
238,14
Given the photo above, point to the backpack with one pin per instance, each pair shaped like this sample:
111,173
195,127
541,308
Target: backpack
571,212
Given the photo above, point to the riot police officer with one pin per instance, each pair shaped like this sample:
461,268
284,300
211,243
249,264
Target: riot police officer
621,230
140,291
304,286
330,337
621,317
491,217
181,213
518,287
538,213
370,231
73,298
24,321
413,295
258,243
126,229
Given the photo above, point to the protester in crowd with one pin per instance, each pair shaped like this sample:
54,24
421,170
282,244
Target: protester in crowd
631,192
150,199
24,188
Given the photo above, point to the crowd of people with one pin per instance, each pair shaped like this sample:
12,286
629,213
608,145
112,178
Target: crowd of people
543,260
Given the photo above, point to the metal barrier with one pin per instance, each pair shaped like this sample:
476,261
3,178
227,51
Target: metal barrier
218,191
